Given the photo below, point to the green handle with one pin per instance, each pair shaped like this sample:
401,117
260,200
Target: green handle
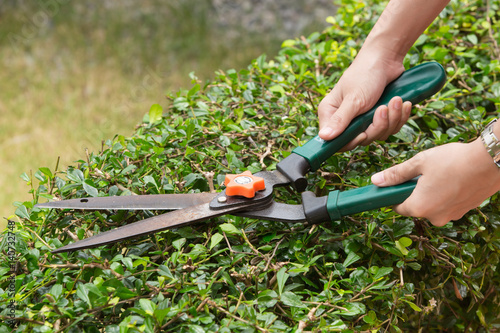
367,198
414,85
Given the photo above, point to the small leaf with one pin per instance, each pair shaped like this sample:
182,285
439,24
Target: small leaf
352,257
179,243
405,241
124,293
381,272
413,306
277,89
46,171
91,190
83,293
353,309
290,299
267,298
401,248
22,211
147,306
215,239
281,276
155,113
229,228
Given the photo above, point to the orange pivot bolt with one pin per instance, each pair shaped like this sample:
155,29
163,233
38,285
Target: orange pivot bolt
244,184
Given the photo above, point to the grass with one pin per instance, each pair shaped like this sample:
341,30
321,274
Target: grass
74,74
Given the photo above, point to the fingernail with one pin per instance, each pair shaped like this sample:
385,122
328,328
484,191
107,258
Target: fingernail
383,113
398,104
378,178
326,133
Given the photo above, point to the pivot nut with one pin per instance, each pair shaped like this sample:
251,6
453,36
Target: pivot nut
244,184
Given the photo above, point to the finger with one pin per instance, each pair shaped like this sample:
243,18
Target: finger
341,118
386,121
405,115
380,123
395,114
378,127
399,173
415,205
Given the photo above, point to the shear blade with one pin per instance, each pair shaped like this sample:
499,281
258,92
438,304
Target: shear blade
277,212
174,219
133,202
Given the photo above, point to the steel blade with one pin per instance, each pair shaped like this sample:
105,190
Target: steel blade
133,202
277,212
177,218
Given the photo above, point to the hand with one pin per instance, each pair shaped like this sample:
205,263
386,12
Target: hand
455,178
357,91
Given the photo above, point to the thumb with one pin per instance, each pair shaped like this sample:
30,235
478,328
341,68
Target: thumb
399,173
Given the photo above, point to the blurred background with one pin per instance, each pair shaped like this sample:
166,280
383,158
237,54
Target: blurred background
74,73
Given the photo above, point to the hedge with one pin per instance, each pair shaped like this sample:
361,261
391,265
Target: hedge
374,271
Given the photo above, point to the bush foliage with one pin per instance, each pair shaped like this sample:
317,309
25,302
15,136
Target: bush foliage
372,271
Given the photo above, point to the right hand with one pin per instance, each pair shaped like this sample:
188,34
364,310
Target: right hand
356,92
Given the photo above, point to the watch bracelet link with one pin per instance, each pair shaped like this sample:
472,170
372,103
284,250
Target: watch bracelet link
491,142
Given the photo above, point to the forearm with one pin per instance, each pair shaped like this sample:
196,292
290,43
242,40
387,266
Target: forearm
399,26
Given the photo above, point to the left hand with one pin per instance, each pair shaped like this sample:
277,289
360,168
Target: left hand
455,178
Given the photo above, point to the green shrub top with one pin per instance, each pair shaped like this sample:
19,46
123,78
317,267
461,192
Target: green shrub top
372,271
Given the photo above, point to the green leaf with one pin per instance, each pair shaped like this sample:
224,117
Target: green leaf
413,306
352,257
281,276
230,229
147,306
405,241
414,265
267,298
291,299
381,272
179,243
370,318
155,113
215,239
353,309
22,211
83,293
401,248
277,89
124,293
46,171
56,290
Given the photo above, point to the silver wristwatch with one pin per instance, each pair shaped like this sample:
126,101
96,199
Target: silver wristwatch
491,142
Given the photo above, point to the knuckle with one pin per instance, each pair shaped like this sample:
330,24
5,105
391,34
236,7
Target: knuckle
358,102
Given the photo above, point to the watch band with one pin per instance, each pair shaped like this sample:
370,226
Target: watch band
491,142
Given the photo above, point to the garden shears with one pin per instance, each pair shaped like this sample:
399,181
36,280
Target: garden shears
251,196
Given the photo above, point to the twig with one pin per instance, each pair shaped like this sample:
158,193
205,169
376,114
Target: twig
41,240
229,246
174,319
251,245
75,266
23,319
213,304
272,256
363,291
270,144
326,304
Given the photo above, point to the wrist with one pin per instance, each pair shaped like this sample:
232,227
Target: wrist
489,138
482,165
376,60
